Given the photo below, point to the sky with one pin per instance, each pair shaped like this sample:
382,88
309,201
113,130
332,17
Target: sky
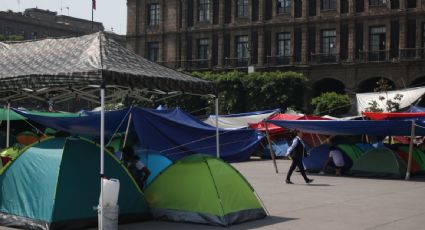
112,13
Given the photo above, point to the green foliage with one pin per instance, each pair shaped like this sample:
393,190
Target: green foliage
392,105
331,103
11,38
241,92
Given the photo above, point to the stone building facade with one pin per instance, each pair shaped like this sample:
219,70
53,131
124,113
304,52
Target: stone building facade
37,23
340,45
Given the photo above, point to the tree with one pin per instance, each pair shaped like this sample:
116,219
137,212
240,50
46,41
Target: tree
331,103
392,105
11,38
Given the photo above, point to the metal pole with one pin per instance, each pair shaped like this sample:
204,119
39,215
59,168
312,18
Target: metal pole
270,147
217,133
126,131
8,125
102,147
409,161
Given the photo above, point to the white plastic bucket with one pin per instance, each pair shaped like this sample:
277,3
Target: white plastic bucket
110,217
111,189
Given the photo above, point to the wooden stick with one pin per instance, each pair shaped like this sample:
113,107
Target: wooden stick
270,147
409,161
126,131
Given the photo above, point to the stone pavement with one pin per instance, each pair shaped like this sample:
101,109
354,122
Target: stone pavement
329,203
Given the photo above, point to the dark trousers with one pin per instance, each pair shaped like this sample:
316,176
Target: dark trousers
298,161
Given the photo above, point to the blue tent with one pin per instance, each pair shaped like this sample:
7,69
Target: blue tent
416,109
376,128
154,161
364,146
176,134
318,156
173,133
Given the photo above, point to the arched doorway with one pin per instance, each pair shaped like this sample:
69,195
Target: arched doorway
371,84
328,85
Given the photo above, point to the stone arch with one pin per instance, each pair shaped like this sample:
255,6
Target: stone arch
420,81
369,84
328,85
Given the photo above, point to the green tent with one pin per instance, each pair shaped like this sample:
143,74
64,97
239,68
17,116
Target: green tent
17,117
203,189
417,156
54,184
380,162
352,151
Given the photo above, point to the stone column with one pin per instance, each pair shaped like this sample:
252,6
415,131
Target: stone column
304,45
261,10
418,38
318,8
305,8
387,39
351,9
221,12
184,13
365,36
232,47
338,41
366,6
351,41
233,10
338,7
195,12
220,52
419,4
402,34
274,8
402,5
261,50
273,45
318,39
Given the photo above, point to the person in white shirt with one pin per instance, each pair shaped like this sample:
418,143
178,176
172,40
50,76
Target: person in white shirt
335,156
137,169
296,152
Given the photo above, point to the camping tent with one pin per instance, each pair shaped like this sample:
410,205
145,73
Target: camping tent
241,120
380,162
203,189
318,156
417,155
352,151
54,184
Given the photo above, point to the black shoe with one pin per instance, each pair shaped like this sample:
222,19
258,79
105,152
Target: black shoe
288,181
308,181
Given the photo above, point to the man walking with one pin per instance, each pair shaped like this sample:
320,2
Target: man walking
296,152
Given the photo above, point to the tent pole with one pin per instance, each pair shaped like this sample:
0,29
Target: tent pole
126,131
270,147
8,125
217,134
102,147
409,161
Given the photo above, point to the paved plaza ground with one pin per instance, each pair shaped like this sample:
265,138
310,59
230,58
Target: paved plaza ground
329,203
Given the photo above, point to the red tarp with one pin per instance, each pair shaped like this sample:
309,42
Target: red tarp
383,116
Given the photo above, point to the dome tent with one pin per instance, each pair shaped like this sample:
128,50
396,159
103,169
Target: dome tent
380,162
59,183
203,189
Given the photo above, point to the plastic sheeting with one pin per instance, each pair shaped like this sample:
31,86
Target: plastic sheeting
377,128
385,116
175,134
238,121
409,97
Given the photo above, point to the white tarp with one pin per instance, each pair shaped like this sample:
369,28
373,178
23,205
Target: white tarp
237,122
409,97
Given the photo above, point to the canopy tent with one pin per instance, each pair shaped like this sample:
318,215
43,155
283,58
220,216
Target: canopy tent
238,121
386,116
415,109
409,97
53,185
92,67
282,116
175,134
203,189
376,128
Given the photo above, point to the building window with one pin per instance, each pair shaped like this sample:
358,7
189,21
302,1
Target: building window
377,41
154,14
153,51
328,4
284,48
203,45
284,6
377,2
328,46
203,53
242,8
203,10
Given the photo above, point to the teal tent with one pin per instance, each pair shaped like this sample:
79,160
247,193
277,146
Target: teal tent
203,189
54,184
380,162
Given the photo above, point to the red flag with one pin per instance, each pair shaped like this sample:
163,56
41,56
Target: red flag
93,4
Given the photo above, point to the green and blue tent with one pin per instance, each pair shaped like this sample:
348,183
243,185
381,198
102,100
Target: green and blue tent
54,184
